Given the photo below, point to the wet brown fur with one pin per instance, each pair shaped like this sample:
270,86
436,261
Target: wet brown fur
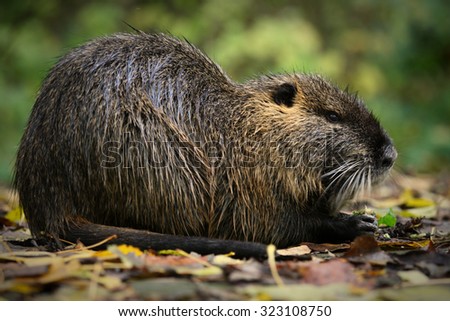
144,131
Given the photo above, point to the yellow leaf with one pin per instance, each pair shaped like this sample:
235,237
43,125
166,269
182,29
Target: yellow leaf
204,271
428,212
106,255
419,202
16,215
24,288
127,249
222,260
263,297
410,201
171,252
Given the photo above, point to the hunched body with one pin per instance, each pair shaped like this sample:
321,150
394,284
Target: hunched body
139,134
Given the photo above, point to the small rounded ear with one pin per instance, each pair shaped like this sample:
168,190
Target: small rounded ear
284,94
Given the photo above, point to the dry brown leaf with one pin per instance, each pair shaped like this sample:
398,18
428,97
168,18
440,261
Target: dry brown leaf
295,251
334,271
59,270
362,245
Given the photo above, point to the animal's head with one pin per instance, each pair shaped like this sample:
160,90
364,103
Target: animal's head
323,136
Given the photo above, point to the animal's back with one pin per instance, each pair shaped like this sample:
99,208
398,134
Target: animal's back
113,131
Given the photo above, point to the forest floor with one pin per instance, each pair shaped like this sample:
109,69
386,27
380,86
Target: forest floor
408,258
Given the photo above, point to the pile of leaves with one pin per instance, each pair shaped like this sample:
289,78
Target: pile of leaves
408,258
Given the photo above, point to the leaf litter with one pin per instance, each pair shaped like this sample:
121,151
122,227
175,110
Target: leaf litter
408,258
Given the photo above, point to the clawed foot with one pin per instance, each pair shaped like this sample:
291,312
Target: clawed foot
366,223
346,227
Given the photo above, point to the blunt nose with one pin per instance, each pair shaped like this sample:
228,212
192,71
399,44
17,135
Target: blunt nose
389,156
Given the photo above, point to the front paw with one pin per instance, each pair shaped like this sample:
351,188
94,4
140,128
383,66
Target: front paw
365,223
345,227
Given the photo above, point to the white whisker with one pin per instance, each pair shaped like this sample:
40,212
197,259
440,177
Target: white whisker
350,180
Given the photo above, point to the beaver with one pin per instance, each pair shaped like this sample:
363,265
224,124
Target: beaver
145,137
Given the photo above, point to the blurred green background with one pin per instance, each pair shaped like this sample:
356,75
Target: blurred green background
394,53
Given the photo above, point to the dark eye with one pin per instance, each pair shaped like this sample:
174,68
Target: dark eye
332,117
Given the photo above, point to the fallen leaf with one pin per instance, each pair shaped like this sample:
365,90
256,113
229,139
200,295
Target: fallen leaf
389,219
129,256
251,271
295,251
37,258
23,288
327,247
16,215
196,271
362,245
414,293
58,271
378,259
21,234
110,282
171,252
127,249
223,260
402,245
302,292
18,270
409,200
334,271
427,212
413,277
105,255
164,289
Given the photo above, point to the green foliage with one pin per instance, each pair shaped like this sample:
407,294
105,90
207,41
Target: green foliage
388,220
395,53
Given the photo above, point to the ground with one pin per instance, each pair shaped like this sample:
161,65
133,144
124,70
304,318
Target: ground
408,258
